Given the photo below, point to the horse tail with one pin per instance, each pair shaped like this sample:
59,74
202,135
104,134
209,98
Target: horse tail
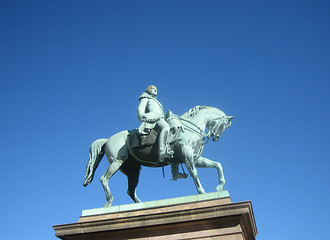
96,153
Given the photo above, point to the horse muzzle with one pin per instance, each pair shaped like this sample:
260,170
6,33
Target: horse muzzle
215,138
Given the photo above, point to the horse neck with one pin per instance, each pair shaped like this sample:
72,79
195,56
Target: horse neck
203,118
199,120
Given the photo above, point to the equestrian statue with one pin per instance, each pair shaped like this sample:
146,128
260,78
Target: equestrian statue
161,140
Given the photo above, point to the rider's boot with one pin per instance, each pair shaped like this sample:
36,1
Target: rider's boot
165,152
175,172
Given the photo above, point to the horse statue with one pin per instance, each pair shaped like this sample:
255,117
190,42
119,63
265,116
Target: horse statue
127,151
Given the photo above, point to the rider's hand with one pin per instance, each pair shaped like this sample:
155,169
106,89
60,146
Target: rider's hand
143,119
150,117
152,120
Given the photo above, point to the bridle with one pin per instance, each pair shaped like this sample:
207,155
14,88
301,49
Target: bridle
192,127
215,131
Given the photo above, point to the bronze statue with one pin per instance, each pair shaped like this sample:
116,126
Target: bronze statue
161,140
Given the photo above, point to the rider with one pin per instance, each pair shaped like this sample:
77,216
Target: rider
151,113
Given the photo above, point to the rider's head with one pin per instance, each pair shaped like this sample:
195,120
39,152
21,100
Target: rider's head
152,90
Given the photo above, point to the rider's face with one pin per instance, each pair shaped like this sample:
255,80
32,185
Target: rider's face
153,91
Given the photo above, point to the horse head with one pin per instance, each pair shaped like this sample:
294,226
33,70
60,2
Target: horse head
218,125
210,117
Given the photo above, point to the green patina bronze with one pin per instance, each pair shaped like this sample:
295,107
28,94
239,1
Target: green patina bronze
162,139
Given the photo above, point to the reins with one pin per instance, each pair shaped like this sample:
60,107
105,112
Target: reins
199,131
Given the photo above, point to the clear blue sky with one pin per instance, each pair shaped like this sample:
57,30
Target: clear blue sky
72,71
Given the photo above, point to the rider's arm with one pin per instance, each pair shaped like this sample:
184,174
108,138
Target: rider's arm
141,110
150,117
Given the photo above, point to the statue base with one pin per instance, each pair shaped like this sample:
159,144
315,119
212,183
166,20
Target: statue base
211,215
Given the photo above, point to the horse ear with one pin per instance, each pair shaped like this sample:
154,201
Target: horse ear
230,117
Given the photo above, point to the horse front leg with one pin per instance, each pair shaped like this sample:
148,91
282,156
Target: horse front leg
188,155
203,162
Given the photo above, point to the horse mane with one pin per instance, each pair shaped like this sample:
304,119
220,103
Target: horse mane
195,110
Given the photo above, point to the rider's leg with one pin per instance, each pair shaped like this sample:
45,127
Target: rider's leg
164,148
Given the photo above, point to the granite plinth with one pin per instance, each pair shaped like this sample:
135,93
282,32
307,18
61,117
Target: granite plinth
211,216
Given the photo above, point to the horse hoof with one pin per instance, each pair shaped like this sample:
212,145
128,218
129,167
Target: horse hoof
219,188
137,201
107,204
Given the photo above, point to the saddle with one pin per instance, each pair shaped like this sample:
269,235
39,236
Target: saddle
143,137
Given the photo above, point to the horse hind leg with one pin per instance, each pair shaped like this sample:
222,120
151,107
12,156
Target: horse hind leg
112,169
116,152
132,171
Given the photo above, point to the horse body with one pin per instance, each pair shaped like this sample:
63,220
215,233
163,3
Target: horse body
187,150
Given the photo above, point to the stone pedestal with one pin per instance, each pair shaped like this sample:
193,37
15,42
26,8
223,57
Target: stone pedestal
207,216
